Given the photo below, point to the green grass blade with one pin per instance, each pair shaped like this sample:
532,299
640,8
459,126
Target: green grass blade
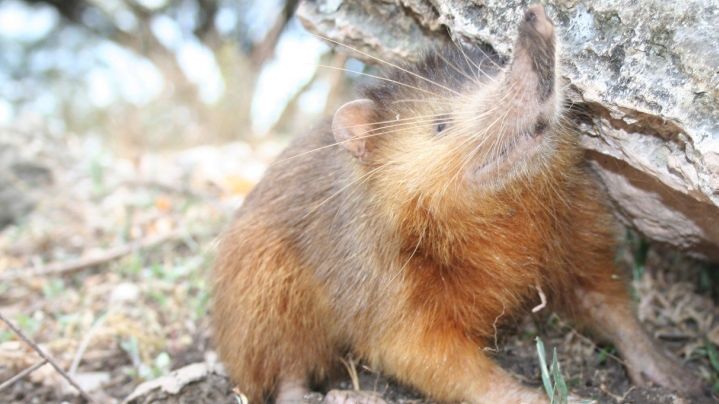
546,380
556,373
713,355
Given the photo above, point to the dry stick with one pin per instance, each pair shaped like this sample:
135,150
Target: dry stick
84,344
595,346
9,382
494,325
91,260
164,187
47,358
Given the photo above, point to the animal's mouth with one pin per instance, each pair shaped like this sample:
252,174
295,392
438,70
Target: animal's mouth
531,78
512,156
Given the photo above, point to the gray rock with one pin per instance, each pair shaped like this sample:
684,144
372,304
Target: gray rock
646,71
201,382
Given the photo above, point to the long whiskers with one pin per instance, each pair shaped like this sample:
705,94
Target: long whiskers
472,155
357,181
474,79
401,270
482,134
390,64
383,79
406,124
471,63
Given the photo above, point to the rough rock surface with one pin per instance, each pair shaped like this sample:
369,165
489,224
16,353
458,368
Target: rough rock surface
647,74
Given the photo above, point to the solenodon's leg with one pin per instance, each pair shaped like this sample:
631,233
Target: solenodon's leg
612,318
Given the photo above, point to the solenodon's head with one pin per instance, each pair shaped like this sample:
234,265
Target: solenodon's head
461,122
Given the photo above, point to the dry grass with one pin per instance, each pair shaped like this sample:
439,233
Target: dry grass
140,310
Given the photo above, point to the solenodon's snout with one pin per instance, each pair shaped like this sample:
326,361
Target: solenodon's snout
535,18
536,42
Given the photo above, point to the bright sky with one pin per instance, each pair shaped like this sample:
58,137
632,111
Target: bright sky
295,62
114,73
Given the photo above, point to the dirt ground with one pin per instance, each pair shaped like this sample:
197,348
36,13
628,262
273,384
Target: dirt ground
108,276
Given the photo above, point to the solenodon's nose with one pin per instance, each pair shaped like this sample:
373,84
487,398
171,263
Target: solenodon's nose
535,51
537,19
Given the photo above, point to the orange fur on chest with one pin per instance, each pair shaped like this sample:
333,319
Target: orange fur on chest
470,270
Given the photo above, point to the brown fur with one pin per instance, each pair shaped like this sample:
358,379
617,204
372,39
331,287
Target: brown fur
398,259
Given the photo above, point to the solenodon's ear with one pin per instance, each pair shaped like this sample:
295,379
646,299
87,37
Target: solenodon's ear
350,125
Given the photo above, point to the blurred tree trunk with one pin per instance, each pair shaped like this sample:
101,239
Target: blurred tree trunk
239,65
289,120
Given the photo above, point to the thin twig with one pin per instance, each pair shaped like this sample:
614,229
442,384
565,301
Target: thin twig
84,344
91,260
168,188
595,346
9,382
42,354
494,325
542,300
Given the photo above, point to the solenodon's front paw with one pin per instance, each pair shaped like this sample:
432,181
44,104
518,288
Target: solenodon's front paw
655,367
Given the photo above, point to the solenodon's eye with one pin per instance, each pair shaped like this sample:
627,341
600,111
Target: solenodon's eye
540,127
441,123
